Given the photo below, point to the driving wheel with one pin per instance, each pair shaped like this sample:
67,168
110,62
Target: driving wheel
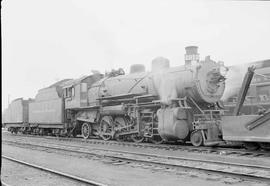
106,127
137,138
156,139
120,124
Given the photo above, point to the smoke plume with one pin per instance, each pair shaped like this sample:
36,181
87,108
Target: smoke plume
169,87
166,87
234,79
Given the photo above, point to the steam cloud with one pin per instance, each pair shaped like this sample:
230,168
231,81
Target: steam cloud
166,87
234,80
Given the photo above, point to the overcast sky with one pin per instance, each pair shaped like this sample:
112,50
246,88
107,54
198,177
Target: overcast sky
48,40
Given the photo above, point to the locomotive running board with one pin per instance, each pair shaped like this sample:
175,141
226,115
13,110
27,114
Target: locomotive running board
129,95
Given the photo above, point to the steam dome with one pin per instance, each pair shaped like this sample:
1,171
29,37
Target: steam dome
160,63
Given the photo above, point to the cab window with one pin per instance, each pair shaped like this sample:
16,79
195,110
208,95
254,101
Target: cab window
72,91
69,92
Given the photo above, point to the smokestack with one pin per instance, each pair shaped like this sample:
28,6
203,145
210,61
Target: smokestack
191,55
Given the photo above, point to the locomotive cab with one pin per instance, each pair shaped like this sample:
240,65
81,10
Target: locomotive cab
75,91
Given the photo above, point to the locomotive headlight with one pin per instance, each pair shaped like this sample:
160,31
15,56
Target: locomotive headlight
222,69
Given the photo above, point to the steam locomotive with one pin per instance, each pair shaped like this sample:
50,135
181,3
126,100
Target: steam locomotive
166,104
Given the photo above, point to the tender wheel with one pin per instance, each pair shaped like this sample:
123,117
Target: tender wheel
11,130
23,130
137,138
41,132
251,146
119,138
86,130
196,138
56,132
265,146
74,133
106,128
15,130
156,139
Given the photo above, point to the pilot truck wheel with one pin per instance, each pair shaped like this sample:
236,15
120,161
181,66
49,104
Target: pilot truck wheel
196,138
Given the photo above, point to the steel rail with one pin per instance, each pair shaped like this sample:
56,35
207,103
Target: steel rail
185,147
4,183
180,159
69,176
136,153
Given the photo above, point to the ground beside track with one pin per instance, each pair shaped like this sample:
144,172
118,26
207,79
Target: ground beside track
243,158
108,172
21,175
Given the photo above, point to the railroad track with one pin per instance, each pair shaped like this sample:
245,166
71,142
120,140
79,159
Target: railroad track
4,183
59,173
243,170
228,151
